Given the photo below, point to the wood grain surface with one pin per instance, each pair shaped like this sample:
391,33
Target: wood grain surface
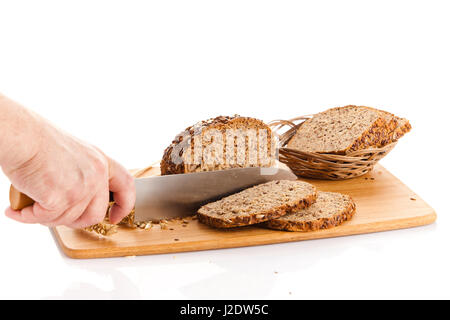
383,203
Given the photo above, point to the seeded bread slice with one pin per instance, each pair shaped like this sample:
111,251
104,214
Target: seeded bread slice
344,129
391,123
397,128
330,209
403,127
258,204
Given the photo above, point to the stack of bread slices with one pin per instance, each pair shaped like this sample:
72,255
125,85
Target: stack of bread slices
346,129
281,204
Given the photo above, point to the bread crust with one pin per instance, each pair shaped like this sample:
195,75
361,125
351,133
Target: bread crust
378,135
219,123
400,130
259,217
314,224
375,136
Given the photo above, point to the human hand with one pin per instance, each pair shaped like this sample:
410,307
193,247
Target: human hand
69,180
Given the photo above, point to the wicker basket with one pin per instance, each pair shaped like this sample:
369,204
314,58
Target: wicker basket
326,166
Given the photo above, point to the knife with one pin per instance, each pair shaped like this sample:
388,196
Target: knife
180,195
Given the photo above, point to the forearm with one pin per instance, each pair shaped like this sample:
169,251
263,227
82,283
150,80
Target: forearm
19,134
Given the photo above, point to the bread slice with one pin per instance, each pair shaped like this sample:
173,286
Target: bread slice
391,122
220,143
330,209
258,204
403,127
344,129
397,128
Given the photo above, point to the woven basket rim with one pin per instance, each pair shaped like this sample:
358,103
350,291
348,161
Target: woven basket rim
348,157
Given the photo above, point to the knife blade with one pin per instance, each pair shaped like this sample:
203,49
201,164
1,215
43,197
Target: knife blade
166,197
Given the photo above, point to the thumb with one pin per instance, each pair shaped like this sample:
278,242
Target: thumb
121,183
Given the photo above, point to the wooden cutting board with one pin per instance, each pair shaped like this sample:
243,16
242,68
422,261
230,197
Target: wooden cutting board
383,203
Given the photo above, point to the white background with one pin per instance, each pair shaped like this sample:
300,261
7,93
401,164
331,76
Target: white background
129,75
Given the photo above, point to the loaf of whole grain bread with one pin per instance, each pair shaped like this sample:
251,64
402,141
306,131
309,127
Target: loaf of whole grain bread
220,143
258,204
345,129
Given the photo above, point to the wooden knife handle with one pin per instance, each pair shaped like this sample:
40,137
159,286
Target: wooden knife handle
18,200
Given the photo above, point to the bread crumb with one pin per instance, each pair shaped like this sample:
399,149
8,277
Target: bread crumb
414,199
103,229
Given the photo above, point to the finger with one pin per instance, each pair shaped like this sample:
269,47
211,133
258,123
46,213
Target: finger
33,214
25,215
121,183
94,213
41,214
70,215
29,215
